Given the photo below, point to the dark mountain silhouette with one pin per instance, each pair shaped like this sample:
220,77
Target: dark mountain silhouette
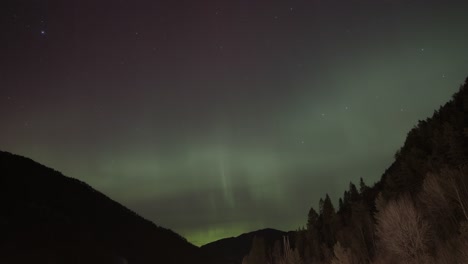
49,218
233,249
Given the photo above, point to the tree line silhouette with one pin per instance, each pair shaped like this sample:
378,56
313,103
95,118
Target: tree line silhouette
416,213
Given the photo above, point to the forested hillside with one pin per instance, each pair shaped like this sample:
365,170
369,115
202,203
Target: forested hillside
416,213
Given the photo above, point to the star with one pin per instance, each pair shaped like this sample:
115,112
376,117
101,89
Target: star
43,32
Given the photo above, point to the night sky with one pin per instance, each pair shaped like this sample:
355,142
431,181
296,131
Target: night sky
215,118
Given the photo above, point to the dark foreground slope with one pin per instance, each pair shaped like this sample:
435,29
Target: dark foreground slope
49,218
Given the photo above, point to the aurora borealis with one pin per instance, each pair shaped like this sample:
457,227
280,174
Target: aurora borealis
215,118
